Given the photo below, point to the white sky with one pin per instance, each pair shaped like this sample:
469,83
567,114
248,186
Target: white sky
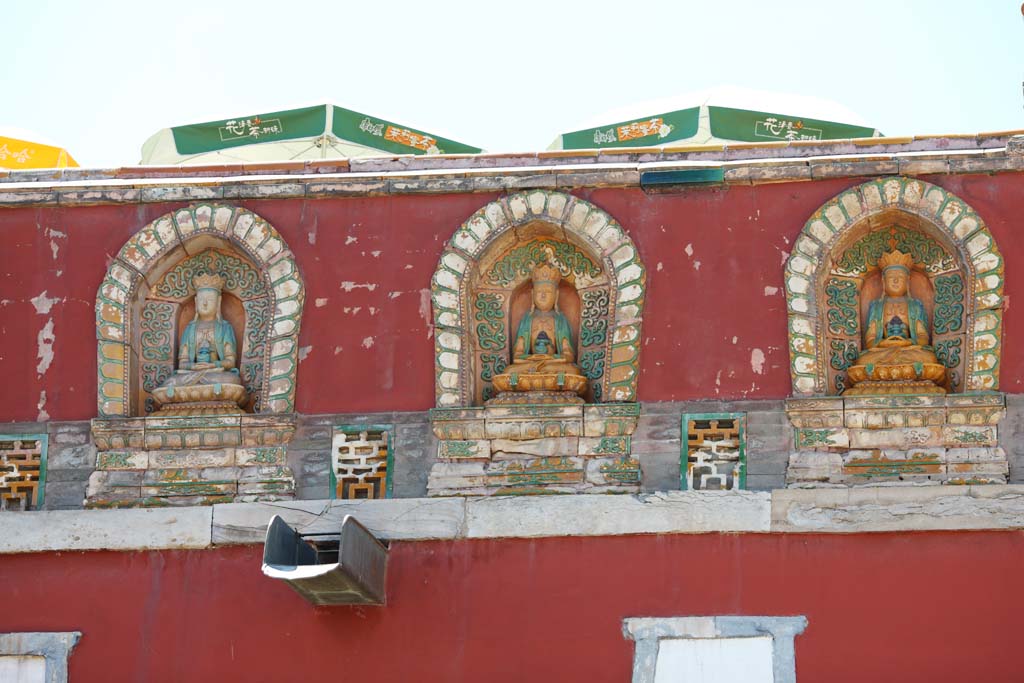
100,77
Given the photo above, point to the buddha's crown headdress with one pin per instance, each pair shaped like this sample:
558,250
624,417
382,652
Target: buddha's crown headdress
208,281
545,272
896,259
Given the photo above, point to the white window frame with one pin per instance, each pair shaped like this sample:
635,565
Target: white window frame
648,632
55,647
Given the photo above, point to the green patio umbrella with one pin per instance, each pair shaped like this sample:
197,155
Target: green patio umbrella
320,132
721,115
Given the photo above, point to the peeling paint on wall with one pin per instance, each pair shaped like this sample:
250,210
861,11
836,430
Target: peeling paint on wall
348,286
44,344
54,247
41,407
757,361
320,303
368,343
303,352
425,311
771,291
43,303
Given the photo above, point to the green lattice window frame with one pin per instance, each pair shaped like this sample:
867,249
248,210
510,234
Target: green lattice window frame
350,429
43,439
684,445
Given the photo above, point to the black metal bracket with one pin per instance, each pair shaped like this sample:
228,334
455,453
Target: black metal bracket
348,568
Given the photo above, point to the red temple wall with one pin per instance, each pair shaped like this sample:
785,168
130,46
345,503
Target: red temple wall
925,606
714,260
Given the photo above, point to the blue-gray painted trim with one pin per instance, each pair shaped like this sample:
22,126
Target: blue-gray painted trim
688,176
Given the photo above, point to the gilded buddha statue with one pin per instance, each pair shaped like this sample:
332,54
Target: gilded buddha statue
207,379
543,356
896,356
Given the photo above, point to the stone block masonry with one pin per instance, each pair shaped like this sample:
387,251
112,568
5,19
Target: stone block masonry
535,449
898,439
187,461
654,444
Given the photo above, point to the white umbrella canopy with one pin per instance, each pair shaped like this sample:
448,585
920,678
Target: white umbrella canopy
718,115
319,132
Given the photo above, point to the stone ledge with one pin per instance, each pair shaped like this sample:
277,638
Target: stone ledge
408,519
453,164
381,177
898,508
677,512
842,510
135,529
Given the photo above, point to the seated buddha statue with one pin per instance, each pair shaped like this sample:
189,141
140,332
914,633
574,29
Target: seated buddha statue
206,380
543,357
896,356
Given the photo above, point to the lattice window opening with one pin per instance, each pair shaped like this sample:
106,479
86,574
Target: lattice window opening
362,460
715,454
22,472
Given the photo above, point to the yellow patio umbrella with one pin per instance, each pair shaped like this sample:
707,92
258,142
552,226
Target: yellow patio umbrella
21,149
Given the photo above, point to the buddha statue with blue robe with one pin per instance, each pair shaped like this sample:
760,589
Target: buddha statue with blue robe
206,380
896,356
543,355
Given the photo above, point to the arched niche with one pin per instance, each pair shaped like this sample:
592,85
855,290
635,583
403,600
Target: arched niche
147,297
480,289
832,273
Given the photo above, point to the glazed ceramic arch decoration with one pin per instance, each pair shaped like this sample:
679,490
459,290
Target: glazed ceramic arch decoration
609,274
163,255
964,261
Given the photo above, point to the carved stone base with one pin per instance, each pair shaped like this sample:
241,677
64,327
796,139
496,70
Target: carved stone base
200,409
535,398
897,439
870,388
531,449
909,373
540,382
164,460
199,397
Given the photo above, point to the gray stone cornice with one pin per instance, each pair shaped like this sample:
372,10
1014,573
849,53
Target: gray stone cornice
820,510
740,164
